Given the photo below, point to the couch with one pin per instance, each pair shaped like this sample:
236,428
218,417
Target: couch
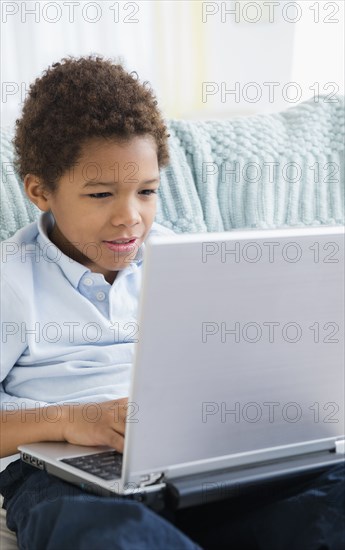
262,171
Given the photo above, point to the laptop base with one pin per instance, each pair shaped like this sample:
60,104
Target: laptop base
232,483
199,489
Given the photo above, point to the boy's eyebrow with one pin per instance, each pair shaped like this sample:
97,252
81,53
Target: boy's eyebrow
112,183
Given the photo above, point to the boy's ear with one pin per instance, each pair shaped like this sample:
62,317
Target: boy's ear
36,192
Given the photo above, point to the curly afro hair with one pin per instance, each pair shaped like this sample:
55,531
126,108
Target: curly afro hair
78,99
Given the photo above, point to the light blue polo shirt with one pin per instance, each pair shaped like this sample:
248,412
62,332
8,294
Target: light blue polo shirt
67,334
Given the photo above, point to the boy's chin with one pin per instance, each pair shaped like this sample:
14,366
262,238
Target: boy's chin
120,266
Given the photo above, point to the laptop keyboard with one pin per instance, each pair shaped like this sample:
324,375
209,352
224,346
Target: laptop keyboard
107,465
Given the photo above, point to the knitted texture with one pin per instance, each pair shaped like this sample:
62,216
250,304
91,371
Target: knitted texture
264,171
16,210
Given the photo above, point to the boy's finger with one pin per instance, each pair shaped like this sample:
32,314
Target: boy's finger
118,410
117,441
120,427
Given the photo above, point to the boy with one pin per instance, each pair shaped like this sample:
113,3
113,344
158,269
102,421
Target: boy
89,147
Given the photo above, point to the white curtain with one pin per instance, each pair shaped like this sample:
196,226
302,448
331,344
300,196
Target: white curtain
203,59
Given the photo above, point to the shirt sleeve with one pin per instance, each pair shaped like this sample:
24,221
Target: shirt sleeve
12,319
12,346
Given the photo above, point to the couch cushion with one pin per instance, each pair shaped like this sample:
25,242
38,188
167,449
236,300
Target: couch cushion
8,539
16,209
273,170
264,171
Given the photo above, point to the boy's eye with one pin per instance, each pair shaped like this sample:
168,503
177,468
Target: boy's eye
149,191
146,192
99,195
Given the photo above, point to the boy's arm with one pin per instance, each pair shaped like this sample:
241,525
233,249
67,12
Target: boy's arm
68,422
29,426
23,422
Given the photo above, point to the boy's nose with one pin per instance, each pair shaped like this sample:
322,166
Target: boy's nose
125,214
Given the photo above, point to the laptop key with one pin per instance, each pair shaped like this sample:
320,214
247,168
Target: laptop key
106,465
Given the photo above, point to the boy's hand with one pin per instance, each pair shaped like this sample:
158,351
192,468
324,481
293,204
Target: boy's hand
96,423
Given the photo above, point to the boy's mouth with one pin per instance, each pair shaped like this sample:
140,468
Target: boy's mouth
122,241
122,246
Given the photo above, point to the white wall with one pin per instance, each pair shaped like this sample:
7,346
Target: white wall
192,52
318,56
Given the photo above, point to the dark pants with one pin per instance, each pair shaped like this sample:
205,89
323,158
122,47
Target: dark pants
49,514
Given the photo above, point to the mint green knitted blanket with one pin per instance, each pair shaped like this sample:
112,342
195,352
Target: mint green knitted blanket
264,171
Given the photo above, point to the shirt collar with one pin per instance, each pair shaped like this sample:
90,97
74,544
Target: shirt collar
73,270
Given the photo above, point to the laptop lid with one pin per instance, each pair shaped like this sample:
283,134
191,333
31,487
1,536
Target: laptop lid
240,356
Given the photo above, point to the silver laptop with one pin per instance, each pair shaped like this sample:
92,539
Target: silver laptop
238,374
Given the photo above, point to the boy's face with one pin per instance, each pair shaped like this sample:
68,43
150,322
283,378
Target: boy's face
110,195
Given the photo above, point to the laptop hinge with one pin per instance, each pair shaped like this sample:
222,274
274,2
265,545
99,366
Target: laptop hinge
150,479
340,446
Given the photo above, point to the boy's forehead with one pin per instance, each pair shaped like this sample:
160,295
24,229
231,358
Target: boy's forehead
111,159
116,146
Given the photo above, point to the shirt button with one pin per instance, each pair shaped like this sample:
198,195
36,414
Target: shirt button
100,296
88,281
